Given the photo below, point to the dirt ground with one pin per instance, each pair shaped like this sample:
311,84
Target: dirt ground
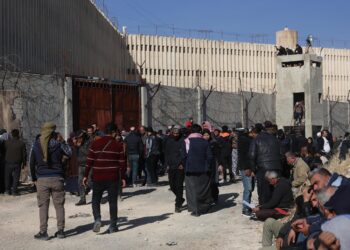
146,221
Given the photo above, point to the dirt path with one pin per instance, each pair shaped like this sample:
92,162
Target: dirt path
147,221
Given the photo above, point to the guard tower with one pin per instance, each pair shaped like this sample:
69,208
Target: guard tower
299,92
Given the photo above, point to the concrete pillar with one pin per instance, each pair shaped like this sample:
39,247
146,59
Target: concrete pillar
199,105
68,107
144,110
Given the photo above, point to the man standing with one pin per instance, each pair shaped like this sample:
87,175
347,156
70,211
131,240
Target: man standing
225,158
15,159
83,144
242,165
107,159
172,153
197,156
264,155
134,149
152,157
47,172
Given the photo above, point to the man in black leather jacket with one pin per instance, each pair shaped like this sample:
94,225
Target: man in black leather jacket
264,155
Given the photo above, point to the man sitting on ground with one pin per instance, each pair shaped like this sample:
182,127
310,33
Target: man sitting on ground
281,200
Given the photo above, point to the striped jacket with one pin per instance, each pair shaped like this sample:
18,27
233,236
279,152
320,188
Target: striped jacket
107,159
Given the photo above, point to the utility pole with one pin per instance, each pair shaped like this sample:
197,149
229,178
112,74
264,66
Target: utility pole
199,99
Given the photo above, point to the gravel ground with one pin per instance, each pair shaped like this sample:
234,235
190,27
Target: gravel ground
147,221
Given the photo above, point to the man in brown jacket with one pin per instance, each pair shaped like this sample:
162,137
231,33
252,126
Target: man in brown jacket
300,171
15,159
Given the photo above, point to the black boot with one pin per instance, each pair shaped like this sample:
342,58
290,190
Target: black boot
80,203
41,236
60,234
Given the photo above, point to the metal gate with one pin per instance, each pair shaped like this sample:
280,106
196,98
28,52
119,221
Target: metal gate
102,102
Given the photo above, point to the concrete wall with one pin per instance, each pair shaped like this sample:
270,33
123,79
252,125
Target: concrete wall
60,37
28,100
228,66
175,105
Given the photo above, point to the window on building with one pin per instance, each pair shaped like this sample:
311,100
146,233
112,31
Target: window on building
128,71
146,71
141,47
141,71
191,50
155,72
171,48
180,72
163,48
163,72
188,50
132,47
150,72
200,50
167,48
203,50
133,71
175,49
159,72
196,51
127,46
224,73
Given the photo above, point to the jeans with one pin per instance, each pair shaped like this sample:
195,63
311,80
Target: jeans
97,191
248,187
134,164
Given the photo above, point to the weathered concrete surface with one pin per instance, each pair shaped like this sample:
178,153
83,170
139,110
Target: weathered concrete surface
147,221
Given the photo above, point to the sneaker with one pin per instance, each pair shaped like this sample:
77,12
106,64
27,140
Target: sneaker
60,234
195,214
112,229
80,203
177,210
134,186
246,214
97,226
41,236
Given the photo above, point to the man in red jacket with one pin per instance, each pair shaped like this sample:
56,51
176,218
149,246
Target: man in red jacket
107,159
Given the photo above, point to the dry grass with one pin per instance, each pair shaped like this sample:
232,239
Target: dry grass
342,167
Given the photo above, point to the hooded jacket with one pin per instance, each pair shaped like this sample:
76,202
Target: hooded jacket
53,167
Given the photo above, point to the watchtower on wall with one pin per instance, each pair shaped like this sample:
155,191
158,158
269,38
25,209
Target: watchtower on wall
299,92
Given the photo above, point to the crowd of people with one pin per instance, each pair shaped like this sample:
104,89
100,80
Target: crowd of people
301,203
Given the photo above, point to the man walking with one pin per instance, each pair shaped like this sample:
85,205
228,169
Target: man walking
107,159
134,149
197,156
47,172
172,153
15,159
83,144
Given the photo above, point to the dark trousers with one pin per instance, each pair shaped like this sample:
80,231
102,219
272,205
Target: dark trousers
227,165
264,188
97,191
82,188
176,181
151,168
2,175
264,214
12,175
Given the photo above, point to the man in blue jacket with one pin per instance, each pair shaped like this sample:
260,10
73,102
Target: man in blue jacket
47,172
